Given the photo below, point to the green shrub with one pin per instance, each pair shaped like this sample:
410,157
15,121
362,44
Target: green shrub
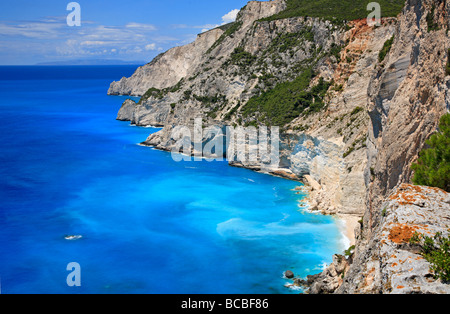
386,48
267,79
349,151
349,251
187,94
356,110
161,93
210,100
229,30
338,88
433,165
288,100
242,58
436,251
335,50
232,112
151,92
336,10
432,26
283,42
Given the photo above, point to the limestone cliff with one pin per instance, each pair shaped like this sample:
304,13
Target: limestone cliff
167,68
388,263
370,97
407,95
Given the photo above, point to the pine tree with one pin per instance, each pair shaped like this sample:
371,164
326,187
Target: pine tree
433,165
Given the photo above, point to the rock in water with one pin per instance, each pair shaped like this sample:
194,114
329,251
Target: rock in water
289,274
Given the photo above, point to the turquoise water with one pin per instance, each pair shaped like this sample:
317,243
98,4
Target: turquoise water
149,224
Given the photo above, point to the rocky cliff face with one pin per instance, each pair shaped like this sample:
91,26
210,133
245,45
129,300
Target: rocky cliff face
388,263
167,69
408,93
373,111
392,264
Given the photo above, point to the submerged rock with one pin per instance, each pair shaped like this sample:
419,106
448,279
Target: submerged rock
289,274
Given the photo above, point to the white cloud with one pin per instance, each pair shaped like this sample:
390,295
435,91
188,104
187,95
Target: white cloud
227,18
51,38
38,30
93,43
230,16
150,47
148,27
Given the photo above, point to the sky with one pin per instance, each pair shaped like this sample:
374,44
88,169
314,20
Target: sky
33,32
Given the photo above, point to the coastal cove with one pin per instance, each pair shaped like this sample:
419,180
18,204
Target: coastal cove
149,224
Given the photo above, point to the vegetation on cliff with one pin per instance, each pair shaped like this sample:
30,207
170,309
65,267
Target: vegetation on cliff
288,100
160,93
229,29
436,250
386,48
432,25
433,166
347,10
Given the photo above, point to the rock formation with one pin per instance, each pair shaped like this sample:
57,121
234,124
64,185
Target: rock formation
387,262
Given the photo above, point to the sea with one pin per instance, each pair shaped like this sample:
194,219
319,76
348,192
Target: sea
148,224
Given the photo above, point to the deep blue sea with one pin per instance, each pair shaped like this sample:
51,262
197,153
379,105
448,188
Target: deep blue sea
149,224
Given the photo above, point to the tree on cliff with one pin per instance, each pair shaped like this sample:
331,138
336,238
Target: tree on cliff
433,165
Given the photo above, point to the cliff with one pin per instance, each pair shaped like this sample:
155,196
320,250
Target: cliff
408,93
388,263
355,104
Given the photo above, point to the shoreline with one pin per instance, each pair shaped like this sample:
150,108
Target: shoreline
278,172
348,224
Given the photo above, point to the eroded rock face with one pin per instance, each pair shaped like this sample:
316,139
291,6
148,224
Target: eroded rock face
407,96
167,69
408,93
323,163
127,110
388,263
